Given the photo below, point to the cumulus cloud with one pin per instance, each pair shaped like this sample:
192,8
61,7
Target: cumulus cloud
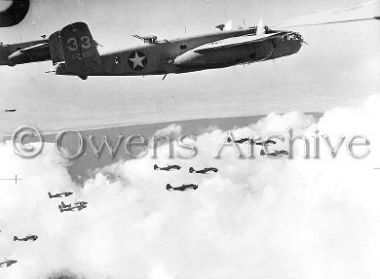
171,131
255,218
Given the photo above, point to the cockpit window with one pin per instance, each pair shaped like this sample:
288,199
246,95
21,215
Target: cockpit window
183,47
293,37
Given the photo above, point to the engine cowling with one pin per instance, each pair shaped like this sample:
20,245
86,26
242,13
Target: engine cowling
225,56
30,54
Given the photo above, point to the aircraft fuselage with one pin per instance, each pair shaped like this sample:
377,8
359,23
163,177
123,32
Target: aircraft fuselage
180,55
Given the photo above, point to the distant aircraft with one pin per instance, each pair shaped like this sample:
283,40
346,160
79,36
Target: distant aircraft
60,195
7,263
182,188
10,110
252,141
71,208
167,168
276,153
203,171
27,238
81,204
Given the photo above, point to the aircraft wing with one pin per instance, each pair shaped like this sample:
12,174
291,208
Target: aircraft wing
242,40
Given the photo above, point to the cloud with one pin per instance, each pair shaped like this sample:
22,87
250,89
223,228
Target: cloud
255,218
171,131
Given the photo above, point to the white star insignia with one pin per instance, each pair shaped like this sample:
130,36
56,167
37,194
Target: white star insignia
137,60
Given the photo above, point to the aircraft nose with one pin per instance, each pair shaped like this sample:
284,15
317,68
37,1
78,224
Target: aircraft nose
296,40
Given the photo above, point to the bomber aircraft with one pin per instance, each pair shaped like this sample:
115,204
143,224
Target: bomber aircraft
182,188
59,195
167,168
27,238
71,208
203,171
73,51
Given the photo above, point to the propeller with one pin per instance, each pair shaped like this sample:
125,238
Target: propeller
331,17
327,22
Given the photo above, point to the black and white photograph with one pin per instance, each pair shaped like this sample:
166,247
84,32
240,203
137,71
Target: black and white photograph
189,139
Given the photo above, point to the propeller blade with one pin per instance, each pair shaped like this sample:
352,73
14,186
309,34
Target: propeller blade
328,22
356,13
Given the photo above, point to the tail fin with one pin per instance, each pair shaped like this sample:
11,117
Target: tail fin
50,196
79,49
191,170
169,187
156,167
15,238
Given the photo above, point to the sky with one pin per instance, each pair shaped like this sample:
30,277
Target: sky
338,67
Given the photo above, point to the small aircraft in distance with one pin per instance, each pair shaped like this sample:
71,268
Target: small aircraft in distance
71,208
7,263
10,110
59,195
68,207
167,168
81,203
203,171
182,188
252,141
276,153
26,238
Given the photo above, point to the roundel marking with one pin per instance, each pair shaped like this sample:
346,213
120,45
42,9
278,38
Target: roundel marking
137,60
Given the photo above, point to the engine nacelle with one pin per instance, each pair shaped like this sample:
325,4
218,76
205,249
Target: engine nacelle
225,56
32,54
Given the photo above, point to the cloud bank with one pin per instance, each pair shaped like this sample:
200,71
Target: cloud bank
257,218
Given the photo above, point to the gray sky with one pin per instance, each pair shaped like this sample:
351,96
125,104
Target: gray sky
339,67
